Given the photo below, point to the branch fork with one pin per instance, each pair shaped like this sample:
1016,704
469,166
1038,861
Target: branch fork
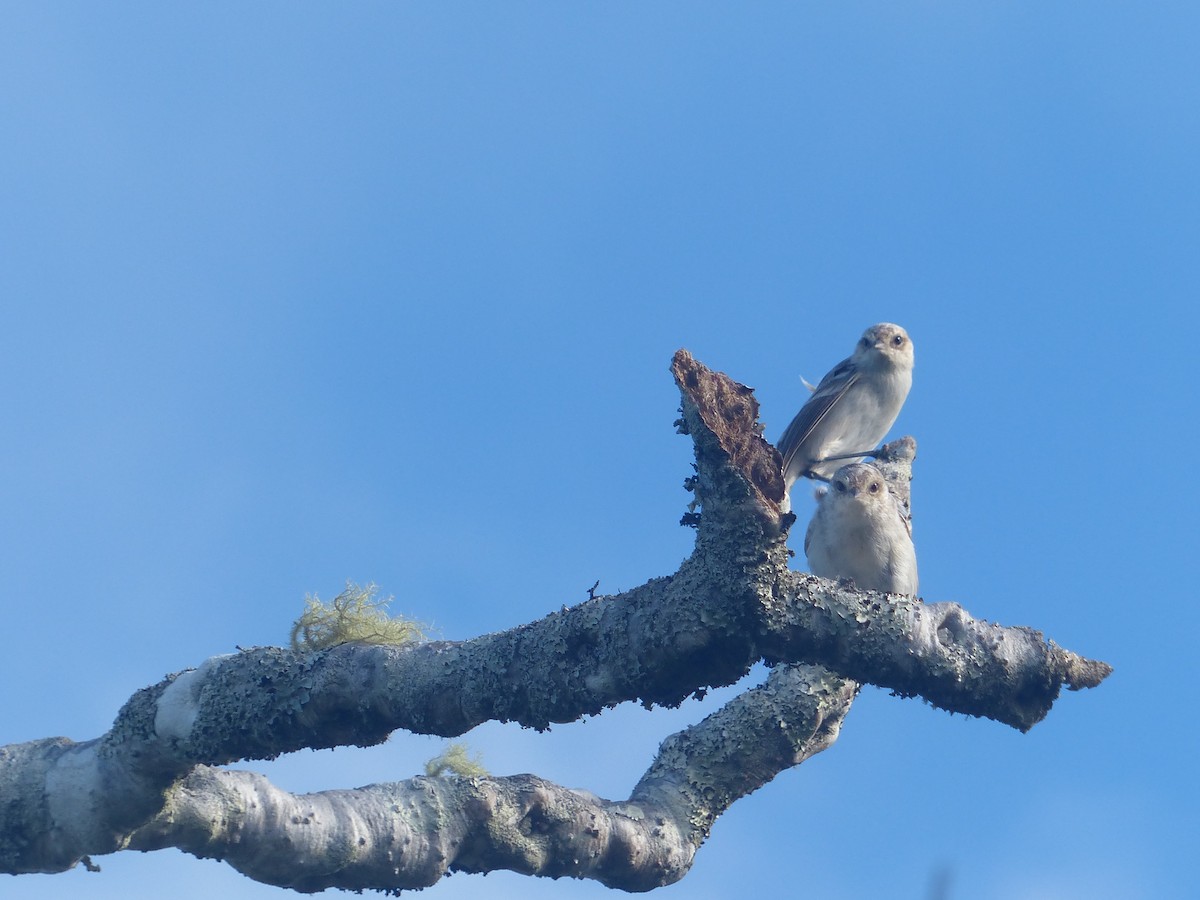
151,781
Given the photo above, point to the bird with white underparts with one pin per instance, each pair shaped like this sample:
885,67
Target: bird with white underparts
852,408
860,532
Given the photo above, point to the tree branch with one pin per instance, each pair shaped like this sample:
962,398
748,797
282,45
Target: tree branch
732,602
408,834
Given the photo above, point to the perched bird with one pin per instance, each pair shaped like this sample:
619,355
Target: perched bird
859,531
852,408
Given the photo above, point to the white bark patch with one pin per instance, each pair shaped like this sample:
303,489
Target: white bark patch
180,702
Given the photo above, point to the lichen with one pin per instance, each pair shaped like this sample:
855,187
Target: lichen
353,615
454,761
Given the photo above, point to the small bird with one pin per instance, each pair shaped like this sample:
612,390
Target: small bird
852,408
859,531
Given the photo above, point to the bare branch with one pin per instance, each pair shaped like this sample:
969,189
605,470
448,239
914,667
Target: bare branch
734,601
936,651
408,834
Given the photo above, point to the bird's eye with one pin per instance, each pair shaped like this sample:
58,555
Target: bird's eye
874,488
898,341
840,485
864,343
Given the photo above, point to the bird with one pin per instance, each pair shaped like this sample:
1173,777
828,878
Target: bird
860,532
852,408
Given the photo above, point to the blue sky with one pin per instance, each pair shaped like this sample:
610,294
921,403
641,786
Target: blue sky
387,292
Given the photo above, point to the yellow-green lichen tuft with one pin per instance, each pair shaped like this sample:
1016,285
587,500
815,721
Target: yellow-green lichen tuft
454,761
353,615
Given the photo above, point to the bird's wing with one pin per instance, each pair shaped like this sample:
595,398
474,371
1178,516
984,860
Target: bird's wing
831,389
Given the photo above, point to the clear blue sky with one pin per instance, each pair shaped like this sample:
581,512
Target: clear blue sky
295,294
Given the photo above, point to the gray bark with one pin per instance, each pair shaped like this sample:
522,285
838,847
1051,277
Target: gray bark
147,783
407,834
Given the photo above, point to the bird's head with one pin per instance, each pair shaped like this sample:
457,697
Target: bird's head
858,482
885,344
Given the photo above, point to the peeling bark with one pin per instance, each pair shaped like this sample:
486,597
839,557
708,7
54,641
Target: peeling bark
147,782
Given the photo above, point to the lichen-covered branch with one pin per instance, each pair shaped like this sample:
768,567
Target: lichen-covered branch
732,602
701,771
408,834
935,651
